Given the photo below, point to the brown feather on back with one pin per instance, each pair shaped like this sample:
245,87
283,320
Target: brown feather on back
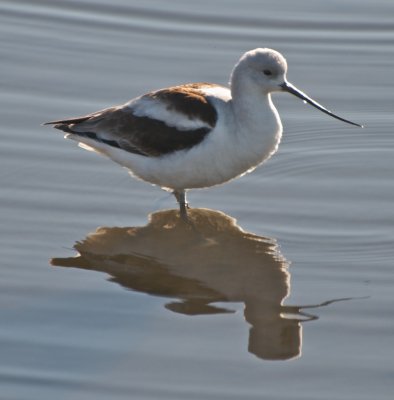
119,127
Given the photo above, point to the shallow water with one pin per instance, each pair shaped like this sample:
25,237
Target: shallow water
287,289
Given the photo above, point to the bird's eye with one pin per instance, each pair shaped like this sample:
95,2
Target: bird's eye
267,72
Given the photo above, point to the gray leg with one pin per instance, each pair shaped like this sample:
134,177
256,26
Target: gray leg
180,196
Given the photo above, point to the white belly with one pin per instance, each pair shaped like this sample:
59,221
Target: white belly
212,162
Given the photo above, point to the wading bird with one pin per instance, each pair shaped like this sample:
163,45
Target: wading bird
195,135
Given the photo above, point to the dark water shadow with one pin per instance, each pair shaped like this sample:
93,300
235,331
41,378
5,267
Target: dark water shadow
213,262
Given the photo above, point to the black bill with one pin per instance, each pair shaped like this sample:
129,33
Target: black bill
288,87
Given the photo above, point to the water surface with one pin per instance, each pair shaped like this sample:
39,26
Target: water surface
247,309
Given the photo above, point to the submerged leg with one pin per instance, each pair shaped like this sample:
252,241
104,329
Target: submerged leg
180,196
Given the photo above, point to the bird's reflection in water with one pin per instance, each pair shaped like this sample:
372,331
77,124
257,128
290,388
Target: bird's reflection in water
214,261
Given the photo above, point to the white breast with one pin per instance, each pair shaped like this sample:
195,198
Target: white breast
230,150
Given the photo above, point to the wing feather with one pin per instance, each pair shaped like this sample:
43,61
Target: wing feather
152,125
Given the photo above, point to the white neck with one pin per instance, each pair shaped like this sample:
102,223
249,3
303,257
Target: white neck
257,121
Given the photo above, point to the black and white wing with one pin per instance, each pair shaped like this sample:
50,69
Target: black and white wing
152,125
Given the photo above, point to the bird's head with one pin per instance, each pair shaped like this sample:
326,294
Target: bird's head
264,70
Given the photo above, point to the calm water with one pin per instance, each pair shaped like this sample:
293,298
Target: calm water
287,291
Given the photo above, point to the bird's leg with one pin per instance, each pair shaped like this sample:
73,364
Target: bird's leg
180,196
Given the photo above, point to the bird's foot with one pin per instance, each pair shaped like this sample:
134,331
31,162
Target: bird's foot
180,196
